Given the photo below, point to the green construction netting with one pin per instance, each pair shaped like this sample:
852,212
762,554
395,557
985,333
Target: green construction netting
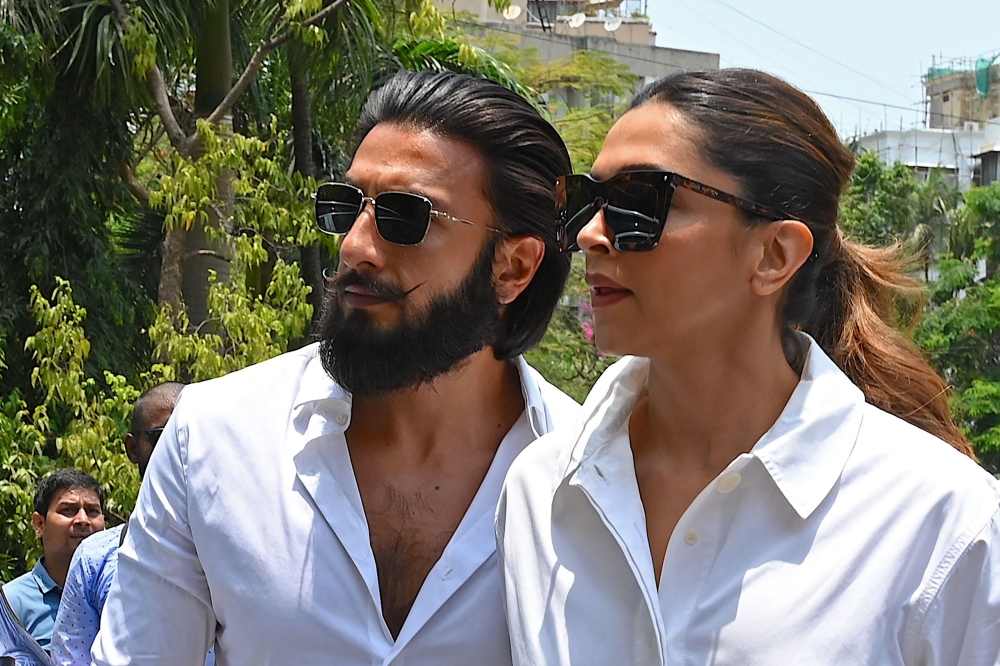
983,65
934,72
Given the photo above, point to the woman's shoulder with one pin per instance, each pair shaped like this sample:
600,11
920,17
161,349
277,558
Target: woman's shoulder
917,460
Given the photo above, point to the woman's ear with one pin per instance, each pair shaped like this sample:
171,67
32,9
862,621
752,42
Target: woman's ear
517,261
785,246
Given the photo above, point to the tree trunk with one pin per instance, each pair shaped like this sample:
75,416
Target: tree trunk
302,141
169,291
213,79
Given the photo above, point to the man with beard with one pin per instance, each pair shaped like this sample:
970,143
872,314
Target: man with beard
336,504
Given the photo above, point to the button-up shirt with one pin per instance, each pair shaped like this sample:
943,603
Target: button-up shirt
249,531
88,581
16,643
34,598
845,536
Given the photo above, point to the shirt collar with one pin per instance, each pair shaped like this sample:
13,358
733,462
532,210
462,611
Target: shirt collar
806,449
317,386
42,578
804,452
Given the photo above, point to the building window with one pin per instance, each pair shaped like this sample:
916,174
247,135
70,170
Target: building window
945,97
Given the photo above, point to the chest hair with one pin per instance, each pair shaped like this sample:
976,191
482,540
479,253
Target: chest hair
408,537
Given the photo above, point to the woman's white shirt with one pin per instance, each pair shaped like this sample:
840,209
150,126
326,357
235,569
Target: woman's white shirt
846,536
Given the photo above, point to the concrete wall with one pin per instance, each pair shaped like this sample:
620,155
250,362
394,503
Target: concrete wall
643,59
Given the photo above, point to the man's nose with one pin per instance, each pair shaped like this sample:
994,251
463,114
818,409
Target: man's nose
362,247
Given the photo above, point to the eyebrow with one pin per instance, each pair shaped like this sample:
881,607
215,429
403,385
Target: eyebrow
642,166
413,190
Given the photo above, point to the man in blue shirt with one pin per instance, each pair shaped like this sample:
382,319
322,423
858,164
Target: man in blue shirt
69,506
96,561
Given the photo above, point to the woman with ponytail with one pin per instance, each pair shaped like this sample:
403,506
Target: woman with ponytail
771,475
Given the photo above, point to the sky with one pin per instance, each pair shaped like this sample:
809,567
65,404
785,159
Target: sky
873,50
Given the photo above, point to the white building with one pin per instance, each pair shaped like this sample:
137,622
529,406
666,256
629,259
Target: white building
923,149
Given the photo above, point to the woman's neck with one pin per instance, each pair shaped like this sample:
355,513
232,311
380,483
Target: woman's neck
706,406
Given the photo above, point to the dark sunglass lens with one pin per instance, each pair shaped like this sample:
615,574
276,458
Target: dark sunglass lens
154,435
337,207
638,197
402,218
633,231
581,196
631,215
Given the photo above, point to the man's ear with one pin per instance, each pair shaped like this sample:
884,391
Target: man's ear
130,448
785,246
38,522
517,261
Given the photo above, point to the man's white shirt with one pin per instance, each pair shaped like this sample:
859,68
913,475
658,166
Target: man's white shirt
846,536
249,532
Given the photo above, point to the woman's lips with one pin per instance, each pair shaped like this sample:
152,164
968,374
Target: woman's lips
604,291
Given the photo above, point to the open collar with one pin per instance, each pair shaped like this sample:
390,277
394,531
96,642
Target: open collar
43,579
804,451
317,387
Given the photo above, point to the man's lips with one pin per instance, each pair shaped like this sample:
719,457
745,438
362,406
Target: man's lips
359,297
605,291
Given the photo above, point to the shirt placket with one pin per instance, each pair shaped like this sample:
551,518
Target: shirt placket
691,553
603,483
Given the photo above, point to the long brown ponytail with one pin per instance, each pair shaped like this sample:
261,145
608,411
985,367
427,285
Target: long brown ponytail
778,143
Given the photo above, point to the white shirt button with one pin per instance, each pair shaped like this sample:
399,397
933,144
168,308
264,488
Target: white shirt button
729,483
341,419
690,538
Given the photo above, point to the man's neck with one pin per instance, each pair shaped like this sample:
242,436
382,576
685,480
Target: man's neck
474,404
57,568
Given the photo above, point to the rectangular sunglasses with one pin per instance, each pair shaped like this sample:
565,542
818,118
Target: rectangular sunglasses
401,218
635,205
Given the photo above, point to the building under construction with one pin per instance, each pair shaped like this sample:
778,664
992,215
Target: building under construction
962,93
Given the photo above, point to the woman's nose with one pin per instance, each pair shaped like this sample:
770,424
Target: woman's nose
595,235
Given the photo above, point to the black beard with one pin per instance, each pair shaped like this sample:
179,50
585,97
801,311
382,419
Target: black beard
368,360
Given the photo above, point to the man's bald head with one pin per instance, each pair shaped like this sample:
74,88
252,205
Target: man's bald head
149,415
161,397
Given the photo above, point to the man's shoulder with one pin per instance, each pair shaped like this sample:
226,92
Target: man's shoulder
98,546
21,591
561,408
24,581
260,380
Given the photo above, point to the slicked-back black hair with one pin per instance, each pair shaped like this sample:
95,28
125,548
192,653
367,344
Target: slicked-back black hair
523,155
64,479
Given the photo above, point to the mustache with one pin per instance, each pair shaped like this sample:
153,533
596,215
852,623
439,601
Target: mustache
376,287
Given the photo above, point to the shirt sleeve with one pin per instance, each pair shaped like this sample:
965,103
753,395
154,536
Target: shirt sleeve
159,610
962,624
77,621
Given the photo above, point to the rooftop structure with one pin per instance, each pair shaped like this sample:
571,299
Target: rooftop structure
922,149
556,28
962,93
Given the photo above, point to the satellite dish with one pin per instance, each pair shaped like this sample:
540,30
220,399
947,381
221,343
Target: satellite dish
578,19
612,24
512,12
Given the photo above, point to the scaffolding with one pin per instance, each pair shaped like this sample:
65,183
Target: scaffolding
546,12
